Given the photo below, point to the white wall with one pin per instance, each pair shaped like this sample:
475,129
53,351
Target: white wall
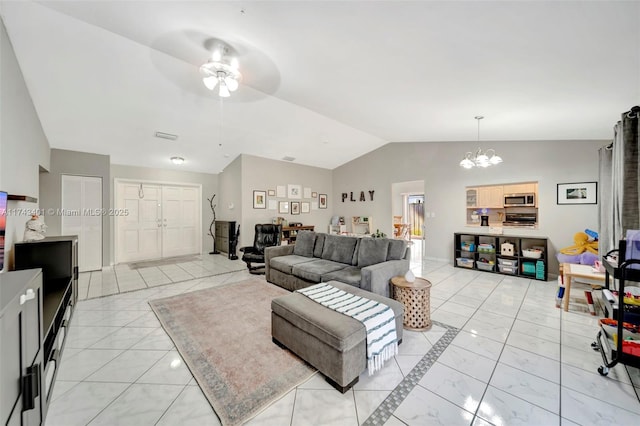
547,162
24,148
264,174
209,184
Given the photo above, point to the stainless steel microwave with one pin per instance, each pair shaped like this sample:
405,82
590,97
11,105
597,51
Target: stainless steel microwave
519,200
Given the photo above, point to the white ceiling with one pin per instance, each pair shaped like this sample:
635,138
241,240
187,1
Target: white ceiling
324,82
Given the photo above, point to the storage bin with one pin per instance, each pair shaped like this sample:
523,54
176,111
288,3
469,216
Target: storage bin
466,246
508,269
532,253
486,248
464,262
528,268
484,266
508,262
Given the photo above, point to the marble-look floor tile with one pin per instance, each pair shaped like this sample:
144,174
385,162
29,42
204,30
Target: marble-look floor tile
126,367
449,318
537,365
536,330
170,370
123,338
414,343
148,319
454,386
385,379
317,381
539,318
278,413
434,334
407,362
82,403
191,408
534,344
367,401
140,404
585,410
79,366
83,337
467,362
457,308
157,339
478,344
490,331
500,408
593,384
423,407
590,360
61,387
533,389
342,412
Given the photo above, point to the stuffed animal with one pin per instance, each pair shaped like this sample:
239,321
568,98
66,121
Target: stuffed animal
581,245
34,229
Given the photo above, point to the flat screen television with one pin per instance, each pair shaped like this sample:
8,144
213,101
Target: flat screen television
3,226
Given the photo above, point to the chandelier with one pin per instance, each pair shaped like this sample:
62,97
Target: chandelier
480,158
221,71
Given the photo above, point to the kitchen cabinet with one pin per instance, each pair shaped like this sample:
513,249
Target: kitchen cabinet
21,354
472,197
490,197
520,188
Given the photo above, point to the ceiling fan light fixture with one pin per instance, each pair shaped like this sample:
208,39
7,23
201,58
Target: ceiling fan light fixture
177,160
221,70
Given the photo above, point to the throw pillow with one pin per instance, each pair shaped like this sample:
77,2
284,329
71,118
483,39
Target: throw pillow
397,249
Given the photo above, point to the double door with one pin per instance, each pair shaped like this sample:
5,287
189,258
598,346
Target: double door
157,221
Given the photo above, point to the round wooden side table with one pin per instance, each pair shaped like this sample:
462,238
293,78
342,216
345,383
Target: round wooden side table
415,297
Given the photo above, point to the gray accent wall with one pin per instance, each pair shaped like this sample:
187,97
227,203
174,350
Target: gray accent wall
230,195
24,148
264,174
209,183
64,162
546,162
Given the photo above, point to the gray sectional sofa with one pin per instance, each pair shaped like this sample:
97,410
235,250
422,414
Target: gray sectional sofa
366,263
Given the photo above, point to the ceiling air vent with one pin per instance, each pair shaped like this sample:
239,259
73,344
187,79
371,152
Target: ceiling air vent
287,158
169,136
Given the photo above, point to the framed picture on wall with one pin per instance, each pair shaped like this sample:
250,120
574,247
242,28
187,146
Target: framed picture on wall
294,191
259,199
578,193
283,207
314,195
322,201
295,207
272,193
305,206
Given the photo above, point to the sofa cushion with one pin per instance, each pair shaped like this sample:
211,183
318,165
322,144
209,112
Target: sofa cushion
317,249
372,251
354,259
350,275
304,243
397,249
315,269
285,263
339,248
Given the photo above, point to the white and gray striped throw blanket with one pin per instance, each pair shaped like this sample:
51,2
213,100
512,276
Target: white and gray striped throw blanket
378,319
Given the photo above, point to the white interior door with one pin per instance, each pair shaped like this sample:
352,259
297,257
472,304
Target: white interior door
82,204
162,221
179,221
140,230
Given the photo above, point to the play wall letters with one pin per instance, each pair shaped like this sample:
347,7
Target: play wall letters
362,196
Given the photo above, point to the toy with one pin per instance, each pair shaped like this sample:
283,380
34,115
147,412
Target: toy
34,229
581,245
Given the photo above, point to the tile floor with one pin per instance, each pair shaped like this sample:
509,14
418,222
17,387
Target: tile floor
128,277
513,359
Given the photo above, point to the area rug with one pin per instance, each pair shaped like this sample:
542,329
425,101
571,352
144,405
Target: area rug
224,336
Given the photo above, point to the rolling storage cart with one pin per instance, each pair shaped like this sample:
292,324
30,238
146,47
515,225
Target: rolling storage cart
610,340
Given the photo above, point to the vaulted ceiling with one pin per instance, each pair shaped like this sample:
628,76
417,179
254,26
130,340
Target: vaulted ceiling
323,82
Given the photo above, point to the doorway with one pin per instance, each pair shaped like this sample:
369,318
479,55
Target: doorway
407,208
82,204
161,220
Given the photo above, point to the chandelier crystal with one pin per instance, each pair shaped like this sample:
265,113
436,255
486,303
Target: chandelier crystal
221,71
480,158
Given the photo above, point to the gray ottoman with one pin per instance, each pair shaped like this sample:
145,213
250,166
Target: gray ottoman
332,342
